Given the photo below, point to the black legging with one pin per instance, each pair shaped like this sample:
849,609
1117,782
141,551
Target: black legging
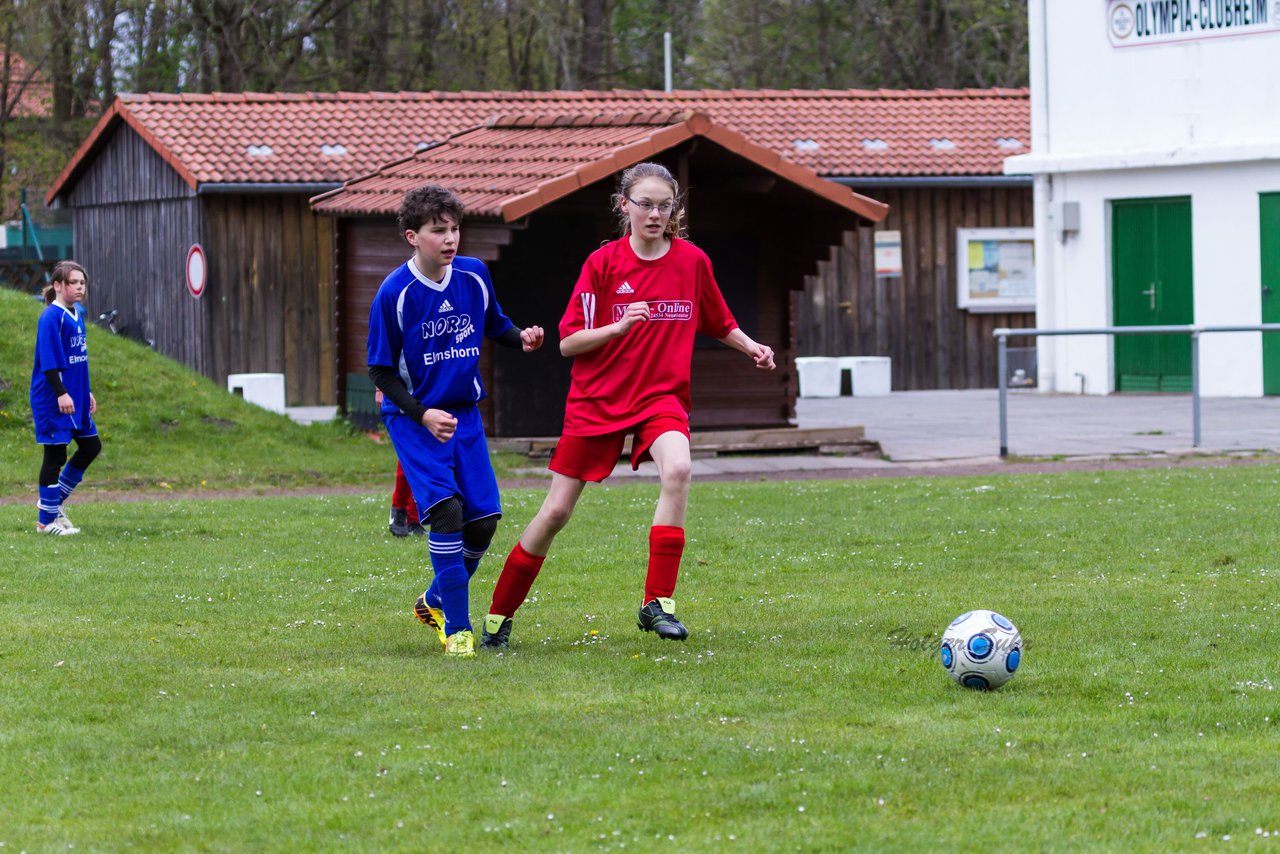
87,448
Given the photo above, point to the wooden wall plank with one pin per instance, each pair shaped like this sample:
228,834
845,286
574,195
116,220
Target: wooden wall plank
298,303
136,257
914,320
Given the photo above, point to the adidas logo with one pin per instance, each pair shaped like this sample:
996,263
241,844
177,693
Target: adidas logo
445,306
625,288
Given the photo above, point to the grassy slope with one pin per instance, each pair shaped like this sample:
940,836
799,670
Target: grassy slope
162,424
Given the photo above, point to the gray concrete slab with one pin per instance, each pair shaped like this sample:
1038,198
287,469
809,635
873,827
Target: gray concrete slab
924,428
951,425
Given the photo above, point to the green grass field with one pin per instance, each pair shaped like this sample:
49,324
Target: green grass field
230,675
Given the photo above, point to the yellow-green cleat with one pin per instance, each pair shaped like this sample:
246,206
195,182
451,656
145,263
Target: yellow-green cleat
659,616
432,617
461,644
496,633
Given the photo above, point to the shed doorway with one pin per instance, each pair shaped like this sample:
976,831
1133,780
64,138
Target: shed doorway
1152,286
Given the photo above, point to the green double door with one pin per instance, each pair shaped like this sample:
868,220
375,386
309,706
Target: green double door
1269,217
1152,286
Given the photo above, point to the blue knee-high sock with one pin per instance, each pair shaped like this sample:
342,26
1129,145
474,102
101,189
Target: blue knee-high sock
470,560
450,581
50,503
471,557
69,480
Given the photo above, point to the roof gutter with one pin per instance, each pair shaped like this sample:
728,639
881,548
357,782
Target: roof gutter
275,188
936,181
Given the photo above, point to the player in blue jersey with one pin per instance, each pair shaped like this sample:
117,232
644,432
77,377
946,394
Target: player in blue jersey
425,329
61,402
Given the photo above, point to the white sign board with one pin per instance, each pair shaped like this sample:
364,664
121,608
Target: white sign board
996,269
1132,23
197,272
888,253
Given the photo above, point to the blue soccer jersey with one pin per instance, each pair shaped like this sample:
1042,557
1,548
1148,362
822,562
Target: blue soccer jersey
430,332
61,346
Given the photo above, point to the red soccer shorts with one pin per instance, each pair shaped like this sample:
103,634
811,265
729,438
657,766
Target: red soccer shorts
593,457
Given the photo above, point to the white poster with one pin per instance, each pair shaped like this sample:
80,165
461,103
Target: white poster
888,253
996,269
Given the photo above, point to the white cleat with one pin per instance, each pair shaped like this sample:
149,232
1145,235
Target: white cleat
57,527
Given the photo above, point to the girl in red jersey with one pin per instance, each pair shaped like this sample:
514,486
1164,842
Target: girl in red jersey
630,328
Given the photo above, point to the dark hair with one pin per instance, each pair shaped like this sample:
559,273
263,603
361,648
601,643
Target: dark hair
61,273
427,203
636,174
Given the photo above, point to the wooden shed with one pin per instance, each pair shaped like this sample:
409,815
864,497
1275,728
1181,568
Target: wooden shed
160,173
537,191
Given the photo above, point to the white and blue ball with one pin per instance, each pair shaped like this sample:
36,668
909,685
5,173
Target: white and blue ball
981,649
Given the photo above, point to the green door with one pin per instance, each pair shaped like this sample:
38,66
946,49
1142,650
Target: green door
1269,217
1151,286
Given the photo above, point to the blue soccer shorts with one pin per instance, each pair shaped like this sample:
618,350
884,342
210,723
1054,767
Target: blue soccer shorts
438,470
50,432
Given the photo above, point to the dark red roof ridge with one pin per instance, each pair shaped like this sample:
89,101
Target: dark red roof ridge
499,170
561,94
282,138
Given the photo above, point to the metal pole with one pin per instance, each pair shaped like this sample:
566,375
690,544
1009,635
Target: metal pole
1002,366
666,61
1195,389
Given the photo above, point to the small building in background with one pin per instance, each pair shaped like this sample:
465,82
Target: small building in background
1156,156
537,191
232,173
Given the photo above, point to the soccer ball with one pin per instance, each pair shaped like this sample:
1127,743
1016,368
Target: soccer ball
981,649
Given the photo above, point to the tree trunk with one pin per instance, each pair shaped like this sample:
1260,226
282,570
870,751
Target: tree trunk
591,64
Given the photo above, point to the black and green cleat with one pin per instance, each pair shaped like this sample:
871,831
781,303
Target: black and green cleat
496,633
659,616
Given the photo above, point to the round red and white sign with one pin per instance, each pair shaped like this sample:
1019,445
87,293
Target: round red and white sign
196,270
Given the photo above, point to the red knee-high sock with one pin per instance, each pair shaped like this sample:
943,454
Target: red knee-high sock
515,580
666,546
402,495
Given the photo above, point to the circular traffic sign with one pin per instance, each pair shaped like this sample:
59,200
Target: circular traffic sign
197,271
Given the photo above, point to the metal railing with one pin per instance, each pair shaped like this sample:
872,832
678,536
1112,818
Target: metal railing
1002,360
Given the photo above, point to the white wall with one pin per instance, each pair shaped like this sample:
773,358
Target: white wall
1226,272
1198,118
1100,97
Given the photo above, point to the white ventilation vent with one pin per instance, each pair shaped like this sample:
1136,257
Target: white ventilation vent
875,145
260,151
942,144
806,145
336,150
1009,143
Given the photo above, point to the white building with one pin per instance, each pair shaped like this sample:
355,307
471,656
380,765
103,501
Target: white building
1156,158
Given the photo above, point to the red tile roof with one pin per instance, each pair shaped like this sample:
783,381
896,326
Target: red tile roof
514,165
315,138
37,92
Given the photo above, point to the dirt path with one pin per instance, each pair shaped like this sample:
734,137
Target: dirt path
960,468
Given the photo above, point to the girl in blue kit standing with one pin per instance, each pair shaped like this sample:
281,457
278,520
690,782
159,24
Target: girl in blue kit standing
61,402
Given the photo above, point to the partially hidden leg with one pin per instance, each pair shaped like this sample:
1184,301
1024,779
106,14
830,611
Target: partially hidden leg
49,504
525,560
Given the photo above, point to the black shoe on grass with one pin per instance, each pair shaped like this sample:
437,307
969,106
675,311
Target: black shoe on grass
659,616
399,523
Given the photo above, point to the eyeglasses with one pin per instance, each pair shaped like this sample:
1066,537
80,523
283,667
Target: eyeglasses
661,207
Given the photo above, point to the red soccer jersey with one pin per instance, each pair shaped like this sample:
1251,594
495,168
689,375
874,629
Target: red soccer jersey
645,372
